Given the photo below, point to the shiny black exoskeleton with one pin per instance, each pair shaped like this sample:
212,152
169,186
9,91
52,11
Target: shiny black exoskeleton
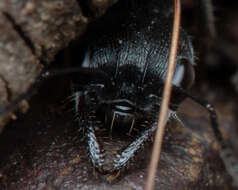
124,77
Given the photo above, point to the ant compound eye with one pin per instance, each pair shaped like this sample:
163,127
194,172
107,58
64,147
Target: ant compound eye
184,75
189,75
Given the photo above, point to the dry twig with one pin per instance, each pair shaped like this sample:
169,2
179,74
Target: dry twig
166,98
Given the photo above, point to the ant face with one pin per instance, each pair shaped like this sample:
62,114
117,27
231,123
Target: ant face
126,95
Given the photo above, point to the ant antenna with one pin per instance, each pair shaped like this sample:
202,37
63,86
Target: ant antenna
86,73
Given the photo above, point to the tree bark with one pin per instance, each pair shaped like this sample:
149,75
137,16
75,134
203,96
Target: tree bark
32,33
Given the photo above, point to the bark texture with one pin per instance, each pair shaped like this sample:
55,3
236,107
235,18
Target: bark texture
32,33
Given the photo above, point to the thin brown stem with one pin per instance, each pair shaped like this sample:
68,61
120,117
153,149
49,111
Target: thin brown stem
166,98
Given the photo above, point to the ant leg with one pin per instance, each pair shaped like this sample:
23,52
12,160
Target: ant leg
213,117
230,161
226,153
122,158
208,107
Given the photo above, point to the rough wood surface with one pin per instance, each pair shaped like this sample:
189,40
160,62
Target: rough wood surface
32,33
